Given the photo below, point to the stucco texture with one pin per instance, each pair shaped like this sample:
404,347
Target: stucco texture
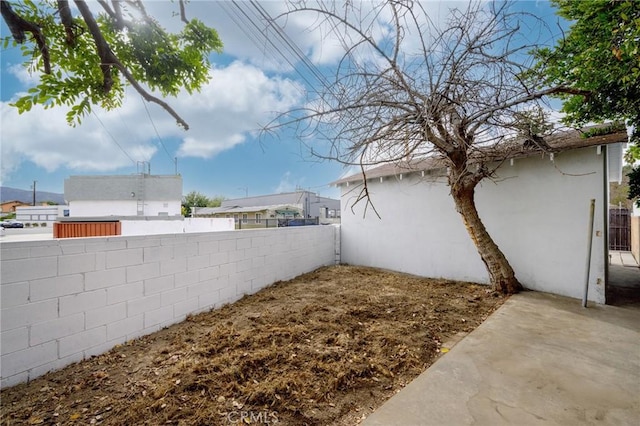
536,209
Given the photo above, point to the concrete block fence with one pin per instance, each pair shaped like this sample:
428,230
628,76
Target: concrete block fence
66,300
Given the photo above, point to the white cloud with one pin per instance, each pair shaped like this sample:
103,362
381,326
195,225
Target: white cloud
285,184
238,100
44,138
26,77
225,113
247,35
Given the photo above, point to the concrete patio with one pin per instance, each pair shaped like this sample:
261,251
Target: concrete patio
540,359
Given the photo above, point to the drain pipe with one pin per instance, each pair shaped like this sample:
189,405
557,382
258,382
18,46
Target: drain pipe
592,209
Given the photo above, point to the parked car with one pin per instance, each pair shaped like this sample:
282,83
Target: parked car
11,223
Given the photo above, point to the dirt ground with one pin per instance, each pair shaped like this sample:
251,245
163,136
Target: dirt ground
326,348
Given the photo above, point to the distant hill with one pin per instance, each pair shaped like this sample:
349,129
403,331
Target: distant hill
26,196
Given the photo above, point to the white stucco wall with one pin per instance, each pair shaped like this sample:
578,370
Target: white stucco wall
96,208
188,225
537,211
39,213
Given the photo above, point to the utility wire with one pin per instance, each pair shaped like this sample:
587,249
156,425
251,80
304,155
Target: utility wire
286,43
244,16
292,46
156,130
113,138
242,22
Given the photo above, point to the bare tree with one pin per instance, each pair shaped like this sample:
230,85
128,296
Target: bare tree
408,88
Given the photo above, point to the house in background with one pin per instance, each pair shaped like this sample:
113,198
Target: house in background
45,214
124,195
140,204
253,216
536,209
269,211
310,204
257,216
10,206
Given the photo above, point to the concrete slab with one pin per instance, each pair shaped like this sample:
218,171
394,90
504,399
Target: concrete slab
538,360
628,259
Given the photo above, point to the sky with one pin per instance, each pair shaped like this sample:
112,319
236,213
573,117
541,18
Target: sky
223,153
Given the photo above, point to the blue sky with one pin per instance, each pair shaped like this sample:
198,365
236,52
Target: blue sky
222,153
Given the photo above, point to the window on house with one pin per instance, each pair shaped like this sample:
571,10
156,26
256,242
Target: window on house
245,217
258,217
235,217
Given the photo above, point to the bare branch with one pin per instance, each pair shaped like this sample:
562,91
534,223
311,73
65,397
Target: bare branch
67,21
183,13
104,52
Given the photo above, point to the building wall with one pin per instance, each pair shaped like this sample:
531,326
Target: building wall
188,225
40,213
635,237
99,208
66,300
121,187
536,210
306,200
10,206
92,196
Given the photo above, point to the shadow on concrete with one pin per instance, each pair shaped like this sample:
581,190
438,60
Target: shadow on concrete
539,359
623,285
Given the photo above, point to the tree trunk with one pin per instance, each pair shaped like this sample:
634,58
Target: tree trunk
501,273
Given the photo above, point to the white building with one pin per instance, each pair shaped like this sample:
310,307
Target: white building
124,196
309,203
41,214
536,209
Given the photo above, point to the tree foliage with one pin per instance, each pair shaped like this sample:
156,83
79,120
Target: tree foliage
619,192
408,88
85,58
600,55
196,199
634,185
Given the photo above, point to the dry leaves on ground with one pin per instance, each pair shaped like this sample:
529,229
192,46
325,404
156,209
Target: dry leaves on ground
325,348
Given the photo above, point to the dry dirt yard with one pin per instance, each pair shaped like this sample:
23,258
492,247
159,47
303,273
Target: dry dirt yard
325,348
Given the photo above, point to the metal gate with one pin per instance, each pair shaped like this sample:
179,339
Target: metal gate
619,229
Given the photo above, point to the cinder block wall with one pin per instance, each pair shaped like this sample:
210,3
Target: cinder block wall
66,300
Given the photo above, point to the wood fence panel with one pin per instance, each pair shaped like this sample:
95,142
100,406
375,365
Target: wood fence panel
86,229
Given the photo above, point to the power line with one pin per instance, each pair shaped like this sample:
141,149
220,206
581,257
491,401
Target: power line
247,20
129,131
292,46
113,138
253,29
156,130
241,22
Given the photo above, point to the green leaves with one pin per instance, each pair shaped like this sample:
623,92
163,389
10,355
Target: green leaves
634,184
160,60
601,54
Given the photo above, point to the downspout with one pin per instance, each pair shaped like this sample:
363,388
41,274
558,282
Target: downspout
605,213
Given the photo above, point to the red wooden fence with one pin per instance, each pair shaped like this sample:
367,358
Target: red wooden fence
85,229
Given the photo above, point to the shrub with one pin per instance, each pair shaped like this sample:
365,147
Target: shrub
27,225
43,224
35,225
